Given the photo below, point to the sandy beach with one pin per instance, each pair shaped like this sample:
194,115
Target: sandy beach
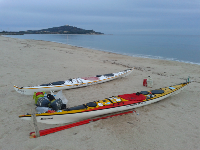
172,123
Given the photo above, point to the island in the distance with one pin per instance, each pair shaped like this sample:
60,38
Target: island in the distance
66,29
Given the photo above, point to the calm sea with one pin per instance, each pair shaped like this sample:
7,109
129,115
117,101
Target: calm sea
183,48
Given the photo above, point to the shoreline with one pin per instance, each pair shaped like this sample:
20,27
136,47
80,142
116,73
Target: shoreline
136,55
172,123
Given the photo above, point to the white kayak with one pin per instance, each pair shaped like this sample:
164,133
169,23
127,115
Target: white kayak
72,83
109,105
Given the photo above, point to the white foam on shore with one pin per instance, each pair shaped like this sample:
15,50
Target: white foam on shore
147,56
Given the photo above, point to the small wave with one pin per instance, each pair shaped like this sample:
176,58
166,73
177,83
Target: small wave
162,58
144,56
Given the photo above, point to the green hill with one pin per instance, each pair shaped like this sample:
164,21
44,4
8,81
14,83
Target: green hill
66,29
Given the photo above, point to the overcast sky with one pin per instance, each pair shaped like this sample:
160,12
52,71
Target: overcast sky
107,16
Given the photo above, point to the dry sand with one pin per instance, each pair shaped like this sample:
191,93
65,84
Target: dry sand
172,123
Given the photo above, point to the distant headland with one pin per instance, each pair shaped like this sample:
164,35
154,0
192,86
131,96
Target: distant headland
66,29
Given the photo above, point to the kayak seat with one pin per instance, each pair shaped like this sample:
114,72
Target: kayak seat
53,83
157,91
110,74
58,82
48,84
91,104
98,75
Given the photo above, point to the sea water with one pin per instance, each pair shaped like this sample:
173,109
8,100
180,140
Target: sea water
183,48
